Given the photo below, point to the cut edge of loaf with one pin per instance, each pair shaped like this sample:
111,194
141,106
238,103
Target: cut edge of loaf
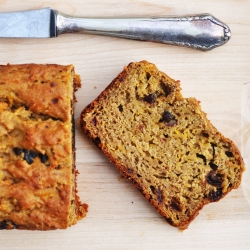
78,209
89,120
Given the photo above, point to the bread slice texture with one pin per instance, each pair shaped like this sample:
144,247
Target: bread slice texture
162,142
37,147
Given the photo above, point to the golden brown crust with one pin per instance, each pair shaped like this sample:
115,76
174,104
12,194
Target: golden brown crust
179,164
43,92
37,169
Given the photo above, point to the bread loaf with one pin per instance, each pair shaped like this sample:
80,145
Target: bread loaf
37,147
162,142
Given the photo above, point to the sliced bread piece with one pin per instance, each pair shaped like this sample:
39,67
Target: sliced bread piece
163,143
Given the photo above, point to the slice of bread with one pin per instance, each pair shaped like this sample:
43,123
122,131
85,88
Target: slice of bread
163,143
37,147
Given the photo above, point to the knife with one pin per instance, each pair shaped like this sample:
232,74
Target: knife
202,32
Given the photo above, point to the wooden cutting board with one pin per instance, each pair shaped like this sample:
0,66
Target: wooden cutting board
119,217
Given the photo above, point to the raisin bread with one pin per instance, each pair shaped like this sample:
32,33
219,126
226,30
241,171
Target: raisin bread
37,147
163,143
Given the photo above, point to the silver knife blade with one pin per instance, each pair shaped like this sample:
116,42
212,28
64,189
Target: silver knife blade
203,32
28,24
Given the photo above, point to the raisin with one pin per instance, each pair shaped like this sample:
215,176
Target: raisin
168,118
7,225
120,107
152,188
214,179
53,84
29,156
18,151
175,205
148,75
13,107
213,166
229,154
32,153
169,220
215,195
43,157
55,100
97,141
203,157
159,195
3,224
166,89
94,121
213,147
151,98
205,134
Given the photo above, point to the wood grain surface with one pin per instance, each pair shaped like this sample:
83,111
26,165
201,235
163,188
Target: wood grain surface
119,217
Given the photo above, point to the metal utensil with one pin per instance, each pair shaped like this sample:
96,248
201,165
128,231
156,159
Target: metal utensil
203,32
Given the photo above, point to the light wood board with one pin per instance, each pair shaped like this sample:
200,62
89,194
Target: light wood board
119,217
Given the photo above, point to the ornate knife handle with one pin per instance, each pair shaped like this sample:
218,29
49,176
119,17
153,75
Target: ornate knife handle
203,32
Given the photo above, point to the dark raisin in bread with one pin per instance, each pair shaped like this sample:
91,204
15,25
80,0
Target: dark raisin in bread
37,147
163,143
